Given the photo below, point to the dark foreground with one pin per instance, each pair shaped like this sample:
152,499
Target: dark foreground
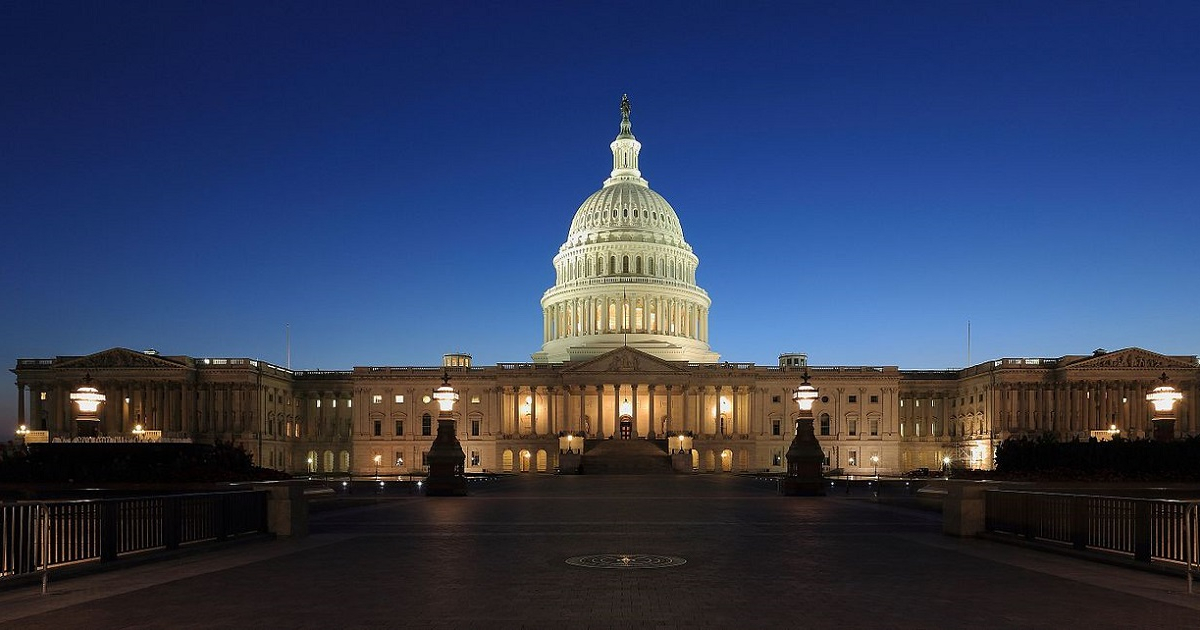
499,559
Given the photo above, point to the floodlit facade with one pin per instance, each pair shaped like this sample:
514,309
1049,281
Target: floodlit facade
625,356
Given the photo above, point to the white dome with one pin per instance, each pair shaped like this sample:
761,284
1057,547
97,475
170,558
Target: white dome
625,275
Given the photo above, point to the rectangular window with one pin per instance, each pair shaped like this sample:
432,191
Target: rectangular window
775,399
333,403
475,428
826,462
776,459
378,429
776,427
874,426
825,425
424,458
399,427
42,395
399,459
474,400
853,398
426,425
376,399
874,398
474,458
399,399
318,403
853,458
349,402
853,426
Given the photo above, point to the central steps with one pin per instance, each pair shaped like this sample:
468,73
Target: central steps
626,457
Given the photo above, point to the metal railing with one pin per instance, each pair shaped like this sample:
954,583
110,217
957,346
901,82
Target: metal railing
1165,530
38,536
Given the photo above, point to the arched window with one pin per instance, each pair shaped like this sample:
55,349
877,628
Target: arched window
612,263
652,266
624,264
638,262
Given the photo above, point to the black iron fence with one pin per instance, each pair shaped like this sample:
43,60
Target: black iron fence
38,536
1164,530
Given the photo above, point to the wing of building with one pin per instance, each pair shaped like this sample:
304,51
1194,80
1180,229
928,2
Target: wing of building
625,358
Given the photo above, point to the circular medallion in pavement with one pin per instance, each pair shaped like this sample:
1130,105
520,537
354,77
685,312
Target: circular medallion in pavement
625,561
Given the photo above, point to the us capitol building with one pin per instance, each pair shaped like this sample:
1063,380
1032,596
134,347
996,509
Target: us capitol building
625,356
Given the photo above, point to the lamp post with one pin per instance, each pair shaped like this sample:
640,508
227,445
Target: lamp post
1164,398
22,431
378,459
946,466
804,456
88,399
875,462
446,456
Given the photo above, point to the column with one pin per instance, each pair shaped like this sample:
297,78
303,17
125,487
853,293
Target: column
599,428
735,408
633,411
20,404
616,406
683,421
533,417
653,418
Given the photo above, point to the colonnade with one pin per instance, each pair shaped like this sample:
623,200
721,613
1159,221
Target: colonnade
651,409
634,313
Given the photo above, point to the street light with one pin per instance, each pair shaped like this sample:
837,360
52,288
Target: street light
378,458
875,462
22,431
946,466
446,457
804,456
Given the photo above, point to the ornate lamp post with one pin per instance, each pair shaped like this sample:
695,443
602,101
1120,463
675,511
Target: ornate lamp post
1164,398
805,456
875,463
446,456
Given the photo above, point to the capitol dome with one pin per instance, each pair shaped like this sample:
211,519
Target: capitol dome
625,276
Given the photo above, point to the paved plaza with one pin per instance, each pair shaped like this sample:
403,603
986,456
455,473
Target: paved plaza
499,559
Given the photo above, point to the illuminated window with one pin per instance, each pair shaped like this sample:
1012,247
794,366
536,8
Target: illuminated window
474,400
376,399
475,458
852,425
853,458
42,395
318,403
873,425
776,459
399,398
349,402
333,403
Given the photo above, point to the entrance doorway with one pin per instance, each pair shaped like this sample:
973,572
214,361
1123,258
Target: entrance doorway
626,427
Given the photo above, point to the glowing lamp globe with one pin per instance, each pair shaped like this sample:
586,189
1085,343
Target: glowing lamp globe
1164,398
805,395
87,398
445,395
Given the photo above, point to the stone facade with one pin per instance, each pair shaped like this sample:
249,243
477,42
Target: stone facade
625,355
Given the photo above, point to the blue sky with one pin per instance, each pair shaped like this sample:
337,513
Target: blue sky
392,179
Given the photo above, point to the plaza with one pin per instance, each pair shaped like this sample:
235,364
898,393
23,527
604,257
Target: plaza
499,558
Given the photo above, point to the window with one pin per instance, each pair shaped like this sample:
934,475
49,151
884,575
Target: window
475,427
378,428
853,458
474,458
853,398
874,398
776,427
776,459
333,403
775,399
399,399
318,403
42,395
349,403
376,399
825,424
399,458
424,458
852,425
399,427
474,400
873,425
426,425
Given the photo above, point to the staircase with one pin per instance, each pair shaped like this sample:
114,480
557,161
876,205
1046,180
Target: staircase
625,457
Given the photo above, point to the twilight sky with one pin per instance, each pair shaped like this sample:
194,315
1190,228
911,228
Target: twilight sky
392,179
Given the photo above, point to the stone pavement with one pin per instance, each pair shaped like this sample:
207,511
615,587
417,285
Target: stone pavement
497,559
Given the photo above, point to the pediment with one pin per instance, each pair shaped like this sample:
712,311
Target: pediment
624,359
1130,358
119,358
